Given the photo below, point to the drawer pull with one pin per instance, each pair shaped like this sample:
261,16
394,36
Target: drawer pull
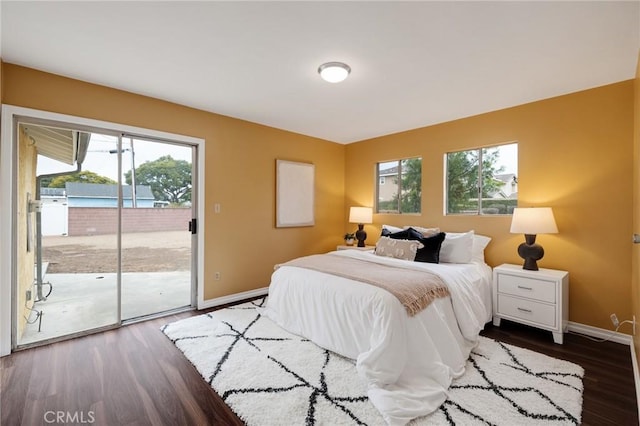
525,288
525,310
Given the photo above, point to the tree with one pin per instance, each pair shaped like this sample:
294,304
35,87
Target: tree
45,181
462,178
411,186
169,179
84,176
461,167
490,184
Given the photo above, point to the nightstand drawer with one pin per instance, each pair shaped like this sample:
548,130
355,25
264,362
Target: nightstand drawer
529,310
527,287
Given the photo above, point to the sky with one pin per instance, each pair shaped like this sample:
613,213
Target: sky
509,158
100,161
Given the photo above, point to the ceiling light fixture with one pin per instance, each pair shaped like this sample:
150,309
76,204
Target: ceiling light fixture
334,72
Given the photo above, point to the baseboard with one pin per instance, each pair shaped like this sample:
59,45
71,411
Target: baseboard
236,297
600,333
636,373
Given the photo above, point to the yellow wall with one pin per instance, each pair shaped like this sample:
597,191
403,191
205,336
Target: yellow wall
575,155
241,242
27,158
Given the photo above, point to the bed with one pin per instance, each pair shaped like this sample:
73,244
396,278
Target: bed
407,362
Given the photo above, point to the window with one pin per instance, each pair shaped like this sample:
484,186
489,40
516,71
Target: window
399,186
482,181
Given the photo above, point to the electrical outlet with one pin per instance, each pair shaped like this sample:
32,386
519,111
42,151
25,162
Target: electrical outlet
216,276
614,320
28,295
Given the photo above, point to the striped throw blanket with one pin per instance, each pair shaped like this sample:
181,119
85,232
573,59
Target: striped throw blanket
414,289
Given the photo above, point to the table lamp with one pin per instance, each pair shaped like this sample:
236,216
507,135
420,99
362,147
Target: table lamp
361,215
531,221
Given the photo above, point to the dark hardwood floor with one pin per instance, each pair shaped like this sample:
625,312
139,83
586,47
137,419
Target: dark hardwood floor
609,396
136,376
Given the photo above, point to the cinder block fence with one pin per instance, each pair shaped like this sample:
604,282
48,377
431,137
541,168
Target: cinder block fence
104,220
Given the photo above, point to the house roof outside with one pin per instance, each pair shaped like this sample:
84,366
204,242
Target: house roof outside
100,190
52,192
506,179
393,171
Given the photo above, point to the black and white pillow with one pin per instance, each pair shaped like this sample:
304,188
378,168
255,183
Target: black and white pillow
398,249
430,253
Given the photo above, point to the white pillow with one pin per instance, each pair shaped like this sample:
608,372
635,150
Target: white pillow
399,249
457,248
480,242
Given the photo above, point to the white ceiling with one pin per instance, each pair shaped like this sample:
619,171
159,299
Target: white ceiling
413,63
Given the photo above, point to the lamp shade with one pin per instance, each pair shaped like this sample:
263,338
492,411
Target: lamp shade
533,220
361,215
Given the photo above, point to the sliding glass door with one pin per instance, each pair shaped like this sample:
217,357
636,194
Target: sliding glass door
156,213
103,230
67,255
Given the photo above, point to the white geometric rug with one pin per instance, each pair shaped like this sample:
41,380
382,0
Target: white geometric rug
271,377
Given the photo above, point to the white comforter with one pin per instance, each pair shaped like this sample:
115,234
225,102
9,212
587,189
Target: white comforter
407,362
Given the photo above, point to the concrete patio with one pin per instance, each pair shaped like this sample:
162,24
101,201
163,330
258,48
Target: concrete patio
81,270
81,302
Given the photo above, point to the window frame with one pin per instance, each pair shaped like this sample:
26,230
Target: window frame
398,182
479,186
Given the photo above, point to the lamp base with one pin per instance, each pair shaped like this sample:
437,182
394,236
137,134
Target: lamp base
530,252
361,235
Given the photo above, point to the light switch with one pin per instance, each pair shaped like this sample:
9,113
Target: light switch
216,208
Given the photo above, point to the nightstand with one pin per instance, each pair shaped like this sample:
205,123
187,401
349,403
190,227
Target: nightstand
537,298
354,247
